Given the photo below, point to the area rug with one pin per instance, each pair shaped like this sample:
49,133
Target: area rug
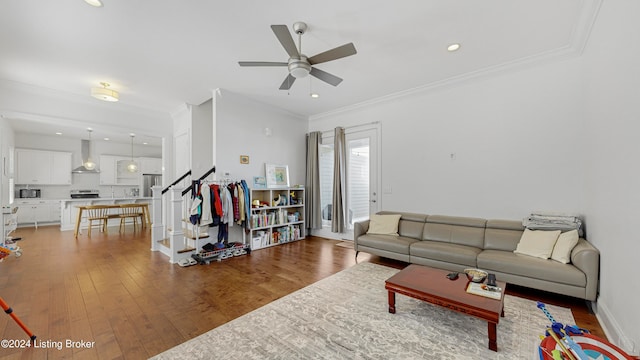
345,316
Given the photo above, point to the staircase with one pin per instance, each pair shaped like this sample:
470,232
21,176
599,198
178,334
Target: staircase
179,239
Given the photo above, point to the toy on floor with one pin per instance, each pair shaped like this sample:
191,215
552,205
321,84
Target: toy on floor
562,342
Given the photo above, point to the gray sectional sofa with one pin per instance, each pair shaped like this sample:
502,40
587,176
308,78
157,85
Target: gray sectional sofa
456,243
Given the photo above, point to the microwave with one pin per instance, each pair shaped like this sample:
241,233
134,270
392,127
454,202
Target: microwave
29,193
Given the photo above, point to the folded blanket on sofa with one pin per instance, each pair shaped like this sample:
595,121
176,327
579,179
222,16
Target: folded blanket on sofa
541,221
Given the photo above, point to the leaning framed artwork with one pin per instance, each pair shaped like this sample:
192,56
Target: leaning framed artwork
277,175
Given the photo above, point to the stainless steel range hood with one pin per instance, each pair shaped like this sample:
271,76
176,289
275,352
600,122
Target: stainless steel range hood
85,151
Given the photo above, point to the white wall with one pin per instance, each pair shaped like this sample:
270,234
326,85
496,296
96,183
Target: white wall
516,139
240,130
201,138
613,172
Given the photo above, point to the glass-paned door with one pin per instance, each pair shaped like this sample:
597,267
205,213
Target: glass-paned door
361,176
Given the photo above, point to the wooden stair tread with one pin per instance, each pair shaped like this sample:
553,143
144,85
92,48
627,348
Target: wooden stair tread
187,249
191,235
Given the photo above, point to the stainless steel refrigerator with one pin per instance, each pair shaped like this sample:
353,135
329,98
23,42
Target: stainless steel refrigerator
149,180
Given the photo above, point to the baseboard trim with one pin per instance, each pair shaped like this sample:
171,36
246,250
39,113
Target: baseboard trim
612,329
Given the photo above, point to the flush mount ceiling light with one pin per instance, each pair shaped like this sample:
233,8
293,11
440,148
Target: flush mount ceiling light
132,167
453,47
96,3
104,93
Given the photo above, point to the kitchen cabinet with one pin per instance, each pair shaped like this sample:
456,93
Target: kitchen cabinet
38,211
43,167
61,168
107,170
113,171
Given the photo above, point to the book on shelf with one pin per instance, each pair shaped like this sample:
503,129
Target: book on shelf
482,290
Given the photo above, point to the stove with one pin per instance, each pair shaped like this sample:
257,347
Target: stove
85,194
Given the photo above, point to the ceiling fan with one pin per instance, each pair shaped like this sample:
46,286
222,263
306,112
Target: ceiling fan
299,64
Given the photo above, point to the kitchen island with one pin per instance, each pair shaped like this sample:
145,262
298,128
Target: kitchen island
69,209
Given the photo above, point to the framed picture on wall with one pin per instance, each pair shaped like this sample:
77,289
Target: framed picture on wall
277,175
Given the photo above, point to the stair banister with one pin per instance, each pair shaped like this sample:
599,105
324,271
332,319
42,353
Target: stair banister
177,181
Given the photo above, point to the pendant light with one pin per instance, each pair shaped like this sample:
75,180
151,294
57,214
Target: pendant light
89,163
132,167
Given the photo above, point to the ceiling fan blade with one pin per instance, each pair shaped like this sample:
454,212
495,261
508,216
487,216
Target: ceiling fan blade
333,54
288,81
283,34
325,76
261,63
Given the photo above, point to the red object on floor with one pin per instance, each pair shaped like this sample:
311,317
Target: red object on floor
591,344
9,311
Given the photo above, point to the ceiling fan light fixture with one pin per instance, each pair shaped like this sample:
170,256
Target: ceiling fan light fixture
299,68
104,93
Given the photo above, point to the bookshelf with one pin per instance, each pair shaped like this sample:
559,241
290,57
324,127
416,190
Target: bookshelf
279,217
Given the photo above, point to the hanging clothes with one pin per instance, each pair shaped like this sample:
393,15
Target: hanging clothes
241,211
236,205
196,208
207,217
227,206
247,199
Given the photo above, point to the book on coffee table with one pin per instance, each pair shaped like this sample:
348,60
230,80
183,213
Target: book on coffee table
481,289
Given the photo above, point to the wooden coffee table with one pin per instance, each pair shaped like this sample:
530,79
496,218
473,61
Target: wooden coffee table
433,286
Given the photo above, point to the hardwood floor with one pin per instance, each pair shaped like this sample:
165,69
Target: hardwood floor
111,290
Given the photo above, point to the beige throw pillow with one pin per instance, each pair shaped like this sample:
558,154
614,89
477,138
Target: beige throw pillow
566,242
383,224
537,243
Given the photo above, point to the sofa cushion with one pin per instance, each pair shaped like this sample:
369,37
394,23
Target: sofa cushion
537,243
393,243
383,224
447,252
502,234
566,242
527,266
455,230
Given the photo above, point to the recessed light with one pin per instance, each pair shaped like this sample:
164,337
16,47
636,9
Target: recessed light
453,47
315,96
96,3
106,139
145,143
58,133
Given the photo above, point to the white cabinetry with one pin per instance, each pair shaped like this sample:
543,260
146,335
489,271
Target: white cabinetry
279,219
38,211
43,167
61,168
113,171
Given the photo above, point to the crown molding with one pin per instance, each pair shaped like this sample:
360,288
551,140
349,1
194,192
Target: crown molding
578,41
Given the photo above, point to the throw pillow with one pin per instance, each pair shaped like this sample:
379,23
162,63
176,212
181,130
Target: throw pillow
383,224
566,242
537,243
